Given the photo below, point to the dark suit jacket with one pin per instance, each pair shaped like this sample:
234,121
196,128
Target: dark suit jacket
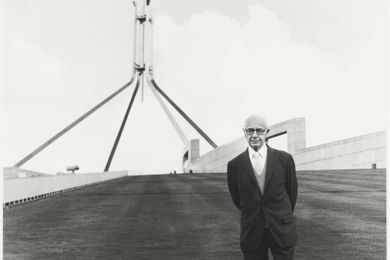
274,208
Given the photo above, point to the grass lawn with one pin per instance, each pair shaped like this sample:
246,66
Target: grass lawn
340,215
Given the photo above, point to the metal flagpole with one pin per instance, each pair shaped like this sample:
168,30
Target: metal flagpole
152,83
118,137
73,124
139,64
140,21
87,114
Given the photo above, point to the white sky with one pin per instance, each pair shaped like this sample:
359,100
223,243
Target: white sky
219,61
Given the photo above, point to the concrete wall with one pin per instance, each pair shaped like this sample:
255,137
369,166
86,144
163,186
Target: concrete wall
296,133
15,172
351,153
216,160
16,189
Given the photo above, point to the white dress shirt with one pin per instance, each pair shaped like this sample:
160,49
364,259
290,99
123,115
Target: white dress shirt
258,160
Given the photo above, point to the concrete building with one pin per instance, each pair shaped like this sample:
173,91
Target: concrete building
366,151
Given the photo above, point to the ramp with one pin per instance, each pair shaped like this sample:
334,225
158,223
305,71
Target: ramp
340,215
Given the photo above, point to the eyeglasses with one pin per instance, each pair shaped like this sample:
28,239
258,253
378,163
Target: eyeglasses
251,131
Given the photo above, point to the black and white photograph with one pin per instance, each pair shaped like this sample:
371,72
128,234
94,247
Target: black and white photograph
194,129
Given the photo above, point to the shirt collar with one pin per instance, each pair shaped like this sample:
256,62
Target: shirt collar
262,152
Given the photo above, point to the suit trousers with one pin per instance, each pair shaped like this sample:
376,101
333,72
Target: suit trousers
268,242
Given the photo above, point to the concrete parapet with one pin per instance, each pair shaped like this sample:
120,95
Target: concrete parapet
296,133
194,151
15,172
216,160
360,152
17,190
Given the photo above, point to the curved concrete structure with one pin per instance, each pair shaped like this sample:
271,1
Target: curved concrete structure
367,151
361,152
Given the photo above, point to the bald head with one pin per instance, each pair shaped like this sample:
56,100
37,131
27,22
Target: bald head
255,131
255,121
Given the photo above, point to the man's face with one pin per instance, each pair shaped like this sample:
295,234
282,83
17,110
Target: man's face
255,131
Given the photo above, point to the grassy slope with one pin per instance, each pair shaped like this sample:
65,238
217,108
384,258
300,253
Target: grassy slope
340,215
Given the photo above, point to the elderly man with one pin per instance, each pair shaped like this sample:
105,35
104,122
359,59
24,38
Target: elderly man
263,186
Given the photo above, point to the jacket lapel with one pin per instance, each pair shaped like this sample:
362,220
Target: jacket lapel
271,161
247,166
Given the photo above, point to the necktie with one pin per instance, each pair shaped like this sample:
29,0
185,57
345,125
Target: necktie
258,167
